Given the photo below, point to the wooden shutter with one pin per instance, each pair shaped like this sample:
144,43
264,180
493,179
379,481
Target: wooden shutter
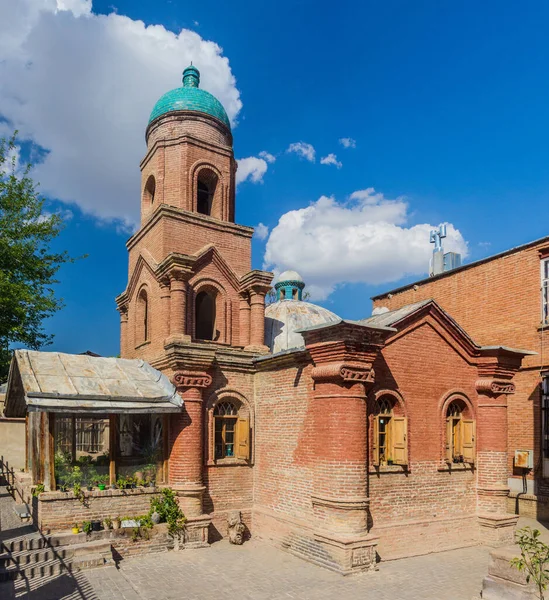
375,440
243,438
449,449
468,440
399,440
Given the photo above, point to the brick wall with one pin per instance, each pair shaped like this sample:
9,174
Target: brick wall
499,302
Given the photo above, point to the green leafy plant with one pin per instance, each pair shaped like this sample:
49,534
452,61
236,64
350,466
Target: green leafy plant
38,489
28,266
78,493
534,558
168,508
87,527
107,522
121,483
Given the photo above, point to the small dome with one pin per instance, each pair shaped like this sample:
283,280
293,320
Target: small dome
284,318
190,97
289,276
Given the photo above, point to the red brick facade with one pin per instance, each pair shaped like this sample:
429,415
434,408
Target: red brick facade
305,470
498,301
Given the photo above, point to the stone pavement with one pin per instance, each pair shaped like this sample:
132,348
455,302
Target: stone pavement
259,572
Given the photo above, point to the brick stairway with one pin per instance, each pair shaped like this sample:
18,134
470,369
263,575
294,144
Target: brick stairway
27,554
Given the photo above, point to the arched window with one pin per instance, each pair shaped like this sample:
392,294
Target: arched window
205,191
150,188
389,441
231,431
142,318
205,316
460,434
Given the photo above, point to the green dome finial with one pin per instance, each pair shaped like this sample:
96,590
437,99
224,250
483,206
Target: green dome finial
189,97
191,77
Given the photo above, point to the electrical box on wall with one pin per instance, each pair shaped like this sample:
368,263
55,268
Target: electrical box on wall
524,459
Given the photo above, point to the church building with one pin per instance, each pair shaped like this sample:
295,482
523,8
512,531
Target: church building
342,442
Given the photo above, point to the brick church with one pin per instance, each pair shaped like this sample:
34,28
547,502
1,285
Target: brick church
337,440
343,442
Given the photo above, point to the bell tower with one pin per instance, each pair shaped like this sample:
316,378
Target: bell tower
190,280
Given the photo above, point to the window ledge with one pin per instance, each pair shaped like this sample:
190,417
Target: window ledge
449,467
389,469
228,462
543,327
145,343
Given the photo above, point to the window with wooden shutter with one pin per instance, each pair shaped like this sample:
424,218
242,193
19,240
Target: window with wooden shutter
243,438
399,440
449,441
375,444
468,440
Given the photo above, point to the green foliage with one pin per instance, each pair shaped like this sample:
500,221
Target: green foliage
168,508
87,527
38,489
534,558
27,265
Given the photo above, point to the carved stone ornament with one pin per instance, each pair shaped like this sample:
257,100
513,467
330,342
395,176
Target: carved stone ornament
494,386
188,379
236,527
354,372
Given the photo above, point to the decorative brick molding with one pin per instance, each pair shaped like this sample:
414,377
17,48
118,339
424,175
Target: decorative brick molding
190,379
495,386
354,372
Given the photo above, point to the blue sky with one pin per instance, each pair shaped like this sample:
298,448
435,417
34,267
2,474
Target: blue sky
447,102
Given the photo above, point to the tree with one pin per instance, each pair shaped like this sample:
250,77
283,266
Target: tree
534,559
27,265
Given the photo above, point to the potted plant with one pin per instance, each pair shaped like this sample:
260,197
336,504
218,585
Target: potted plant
389,461
102,481
75,528
96,525
116,523
107,523
121,483
87,527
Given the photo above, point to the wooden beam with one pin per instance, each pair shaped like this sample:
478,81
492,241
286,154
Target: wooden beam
113,447
51,425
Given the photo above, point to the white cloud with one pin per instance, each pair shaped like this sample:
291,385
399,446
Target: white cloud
363,240
261,231
251,168
331,159
270,158
303,149
83,85
347,142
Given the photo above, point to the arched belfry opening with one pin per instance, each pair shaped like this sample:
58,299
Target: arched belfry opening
142,317
205,316
149,191
205,191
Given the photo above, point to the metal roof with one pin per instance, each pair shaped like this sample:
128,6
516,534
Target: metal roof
386,319
59,382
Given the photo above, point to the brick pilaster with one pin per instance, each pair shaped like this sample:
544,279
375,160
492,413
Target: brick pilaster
244,325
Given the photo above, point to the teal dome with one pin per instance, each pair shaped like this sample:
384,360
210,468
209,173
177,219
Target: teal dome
190,97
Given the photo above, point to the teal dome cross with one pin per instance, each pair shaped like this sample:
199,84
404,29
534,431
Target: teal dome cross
190,97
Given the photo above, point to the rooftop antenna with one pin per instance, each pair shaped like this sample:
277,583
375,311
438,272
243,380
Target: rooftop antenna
437,262
441,262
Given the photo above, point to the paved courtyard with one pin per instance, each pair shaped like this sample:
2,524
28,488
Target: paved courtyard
258,571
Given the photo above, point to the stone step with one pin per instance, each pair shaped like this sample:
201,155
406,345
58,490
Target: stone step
22,511
44,569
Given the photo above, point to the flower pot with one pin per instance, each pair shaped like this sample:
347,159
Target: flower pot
90,488
116,524
155,518
75,530
96,525
101,486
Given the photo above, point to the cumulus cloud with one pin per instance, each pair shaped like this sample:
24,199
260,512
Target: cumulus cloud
261,231
347,142
303,149
270,158
366,239
331,159
82,86
251,168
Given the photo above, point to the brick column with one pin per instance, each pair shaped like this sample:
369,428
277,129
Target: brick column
178,307
496,368
343,355
496,525
244,325
164,309
123,331
187,452
257,320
